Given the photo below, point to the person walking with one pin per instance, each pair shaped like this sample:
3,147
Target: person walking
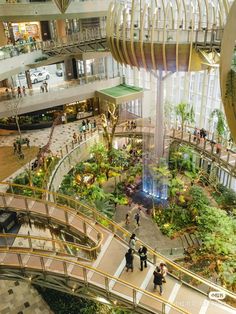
164,271
15,148
19,148
19,92
157,280
129,258
27,142
127,219
41,88
137,218
24,91
75,137
132,242
143,257
45,84
94,124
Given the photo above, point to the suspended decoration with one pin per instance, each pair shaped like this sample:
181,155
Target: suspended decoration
62,5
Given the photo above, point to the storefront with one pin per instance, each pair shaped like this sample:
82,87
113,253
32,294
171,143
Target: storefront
81,109
23,31
44,118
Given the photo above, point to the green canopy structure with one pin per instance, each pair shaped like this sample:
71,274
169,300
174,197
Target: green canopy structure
120,94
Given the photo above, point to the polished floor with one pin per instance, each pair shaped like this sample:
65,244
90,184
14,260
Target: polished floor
10,163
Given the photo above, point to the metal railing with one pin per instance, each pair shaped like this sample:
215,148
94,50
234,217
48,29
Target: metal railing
199,37
97,281
45,210
23,47
47,245
67,151
85,35
224,156
10,51
185,276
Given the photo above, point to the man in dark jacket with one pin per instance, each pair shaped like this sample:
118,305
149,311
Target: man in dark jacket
157,280
143,256
129,257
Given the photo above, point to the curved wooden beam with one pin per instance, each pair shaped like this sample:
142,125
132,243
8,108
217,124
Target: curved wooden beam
227,52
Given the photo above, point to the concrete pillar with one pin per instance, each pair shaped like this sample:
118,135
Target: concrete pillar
85,71
28,79
3,38
106,68
11,34
61,29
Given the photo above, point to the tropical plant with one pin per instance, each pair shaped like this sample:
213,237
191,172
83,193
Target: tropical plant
104,206
185,114
181,159
197,200
175,189
221,125
218,231
99,154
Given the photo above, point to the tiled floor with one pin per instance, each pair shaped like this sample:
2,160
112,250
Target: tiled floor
17,297
62,135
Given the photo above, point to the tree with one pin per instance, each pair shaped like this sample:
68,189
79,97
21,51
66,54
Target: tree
14,108
221,126
109,128
185,113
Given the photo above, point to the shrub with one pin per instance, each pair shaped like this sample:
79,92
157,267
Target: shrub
41,59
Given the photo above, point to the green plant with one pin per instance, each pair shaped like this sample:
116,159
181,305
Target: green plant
221,125
41,59
185,113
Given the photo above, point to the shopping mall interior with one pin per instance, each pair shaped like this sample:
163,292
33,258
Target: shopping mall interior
117,156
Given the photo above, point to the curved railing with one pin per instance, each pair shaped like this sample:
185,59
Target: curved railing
165,35
195,281
224,157
47,245
57,215
70,158
74,275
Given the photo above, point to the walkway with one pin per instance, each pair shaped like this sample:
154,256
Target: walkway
148,231
224,157
106,274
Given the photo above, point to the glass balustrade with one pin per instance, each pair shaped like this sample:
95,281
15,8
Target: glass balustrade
7,95
10,51
22,47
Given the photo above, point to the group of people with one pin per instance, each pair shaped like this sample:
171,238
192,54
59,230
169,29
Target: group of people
199,134
87,125
159,274
130,125
84,128
20,91
17,147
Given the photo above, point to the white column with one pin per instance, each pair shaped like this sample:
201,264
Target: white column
159,125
